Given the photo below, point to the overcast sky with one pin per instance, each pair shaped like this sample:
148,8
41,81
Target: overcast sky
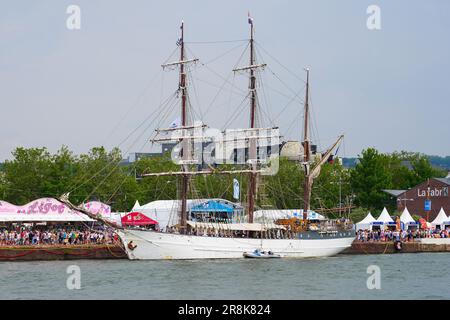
385,88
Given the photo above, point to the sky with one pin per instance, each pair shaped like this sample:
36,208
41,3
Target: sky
103,84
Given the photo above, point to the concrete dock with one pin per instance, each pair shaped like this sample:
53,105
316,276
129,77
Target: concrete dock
67,252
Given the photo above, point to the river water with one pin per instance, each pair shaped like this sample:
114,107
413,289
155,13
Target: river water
402,276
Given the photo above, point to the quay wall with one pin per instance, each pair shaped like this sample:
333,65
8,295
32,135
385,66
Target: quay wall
388,248
72,252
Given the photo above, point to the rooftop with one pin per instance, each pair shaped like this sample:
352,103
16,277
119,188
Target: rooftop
394,193
444,180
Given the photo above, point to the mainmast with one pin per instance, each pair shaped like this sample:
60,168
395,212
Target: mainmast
252,148
251,192
184,178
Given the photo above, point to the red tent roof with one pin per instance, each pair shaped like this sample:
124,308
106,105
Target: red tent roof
137,219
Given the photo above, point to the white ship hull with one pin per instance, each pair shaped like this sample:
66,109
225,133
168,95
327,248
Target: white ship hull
151,245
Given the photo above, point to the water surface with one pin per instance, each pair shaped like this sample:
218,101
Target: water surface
403,276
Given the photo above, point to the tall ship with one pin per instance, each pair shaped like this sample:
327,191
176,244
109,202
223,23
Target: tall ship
197,236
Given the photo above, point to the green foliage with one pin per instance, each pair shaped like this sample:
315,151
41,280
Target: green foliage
284,190
369,177
358,214
26,175
99,175
399,170
217,186
156,188
35,173
331,187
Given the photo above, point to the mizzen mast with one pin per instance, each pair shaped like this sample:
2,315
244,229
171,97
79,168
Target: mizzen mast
306,152
311,173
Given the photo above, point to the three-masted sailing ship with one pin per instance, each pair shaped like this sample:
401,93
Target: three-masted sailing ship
285,239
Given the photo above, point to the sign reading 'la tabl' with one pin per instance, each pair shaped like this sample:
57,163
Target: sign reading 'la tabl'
433,192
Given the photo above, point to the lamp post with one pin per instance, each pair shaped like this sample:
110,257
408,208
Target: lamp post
404,199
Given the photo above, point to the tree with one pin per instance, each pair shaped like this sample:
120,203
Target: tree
332,185
284,190
155,188
369,177
402,176
423,170
101,177
26,174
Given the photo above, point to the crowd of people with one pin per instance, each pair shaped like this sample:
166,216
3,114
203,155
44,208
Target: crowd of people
56,235
403,235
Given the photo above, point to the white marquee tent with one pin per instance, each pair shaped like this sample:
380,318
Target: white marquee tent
406,217
440,219
166,212
384,218
365,223
272,215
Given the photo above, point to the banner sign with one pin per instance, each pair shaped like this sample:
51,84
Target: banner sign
427,205
236,191
40,210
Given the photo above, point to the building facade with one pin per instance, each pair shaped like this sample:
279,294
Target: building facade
425,199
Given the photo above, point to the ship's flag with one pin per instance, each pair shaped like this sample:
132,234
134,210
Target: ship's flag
250,19
175,123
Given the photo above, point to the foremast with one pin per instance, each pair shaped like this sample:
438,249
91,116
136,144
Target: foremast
185,156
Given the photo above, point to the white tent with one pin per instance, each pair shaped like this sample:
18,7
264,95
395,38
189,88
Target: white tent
365,223
166,212
137,205
272,215
440,219
384,217
406,217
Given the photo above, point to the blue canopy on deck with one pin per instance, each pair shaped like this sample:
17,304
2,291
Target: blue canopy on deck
212,206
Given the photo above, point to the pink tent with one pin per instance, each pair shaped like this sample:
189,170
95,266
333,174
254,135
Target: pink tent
40,210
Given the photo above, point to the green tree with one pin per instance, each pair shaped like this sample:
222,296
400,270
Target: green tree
155,188
101,177
331,187
285,189
423,170
401,176
369,177
25,175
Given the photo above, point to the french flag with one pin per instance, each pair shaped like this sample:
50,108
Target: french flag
250,19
